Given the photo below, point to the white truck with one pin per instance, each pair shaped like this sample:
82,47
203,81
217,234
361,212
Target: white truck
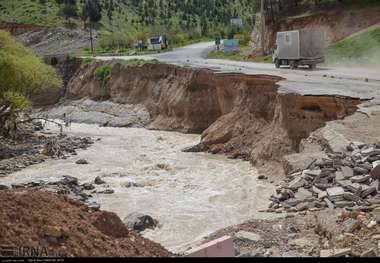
157,43
299,47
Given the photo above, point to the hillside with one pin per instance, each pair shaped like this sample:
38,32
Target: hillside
362,49
191,17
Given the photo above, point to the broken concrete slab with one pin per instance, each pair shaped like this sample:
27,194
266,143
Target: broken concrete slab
316,190
368,192
302,194
245,235
335,192
297,183
348,172
351,197
335,252
322,195
339,176
313,173
370,151
361,178
329,203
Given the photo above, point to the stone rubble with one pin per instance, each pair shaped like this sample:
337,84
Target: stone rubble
343,180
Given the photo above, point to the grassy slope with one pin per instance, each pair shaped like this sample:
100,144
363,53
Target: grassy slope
363,47
30,12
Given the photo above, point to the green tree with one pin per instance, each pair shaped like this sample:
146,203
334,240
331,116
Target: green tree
21,74
68,8
92,12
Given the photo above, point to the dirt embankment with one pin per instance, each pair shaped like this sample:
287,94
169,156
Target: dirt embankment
243,116
37,223
337,25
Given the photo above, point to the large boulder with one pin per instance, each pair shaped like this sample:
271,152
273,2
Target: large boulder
139,222
375,173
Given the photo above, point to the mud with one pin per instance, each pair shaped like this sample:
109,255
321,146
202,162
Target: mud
56,226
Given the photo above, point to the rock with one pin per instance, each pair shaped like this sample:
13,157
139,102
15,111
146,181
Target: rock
369,253
88,186
335,252
69,180
313,173
302,207
375,172
99,181
18,186
94,206
370,152
329,203
52,231
82,161
339,176
368,192
322,195
360,170
316,190
347,172
292,202
285,195
351,197
360,178
107,192
376,237
3,187
342,204
350,225
248,236
300,242
335,193
372,224
297,183
302,194
139,221
194,149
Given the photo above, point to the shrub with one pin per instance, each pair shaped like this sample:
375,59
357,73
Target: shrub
104,74
21,74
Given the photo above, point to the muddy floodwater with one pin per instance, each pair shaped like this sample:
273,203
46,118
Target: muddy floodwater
190,194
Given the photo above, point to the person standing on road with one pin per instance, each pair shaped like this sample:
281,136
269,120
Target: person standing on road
217,43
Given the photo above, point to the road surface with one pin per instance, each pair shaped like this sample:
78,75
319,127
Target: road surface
349,82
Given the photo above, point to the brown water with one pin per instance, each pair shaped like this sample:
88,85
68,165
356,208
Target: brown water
190,194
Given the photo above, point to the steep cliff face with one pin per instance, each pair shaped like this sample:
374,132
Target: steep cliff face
237,114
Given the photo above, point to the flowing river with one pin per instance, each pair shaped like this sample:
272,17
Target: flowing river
191,194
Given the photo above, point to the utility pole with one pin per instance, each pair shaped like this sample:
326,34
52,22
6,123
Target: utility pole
262,27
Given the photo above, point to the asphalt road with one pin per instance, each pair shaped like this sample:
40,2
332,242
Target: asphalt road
350,82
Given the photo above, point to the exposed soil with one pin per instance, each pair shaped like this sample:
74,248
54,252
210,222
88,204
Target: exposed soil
240,115
53,41
42,220
337,25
